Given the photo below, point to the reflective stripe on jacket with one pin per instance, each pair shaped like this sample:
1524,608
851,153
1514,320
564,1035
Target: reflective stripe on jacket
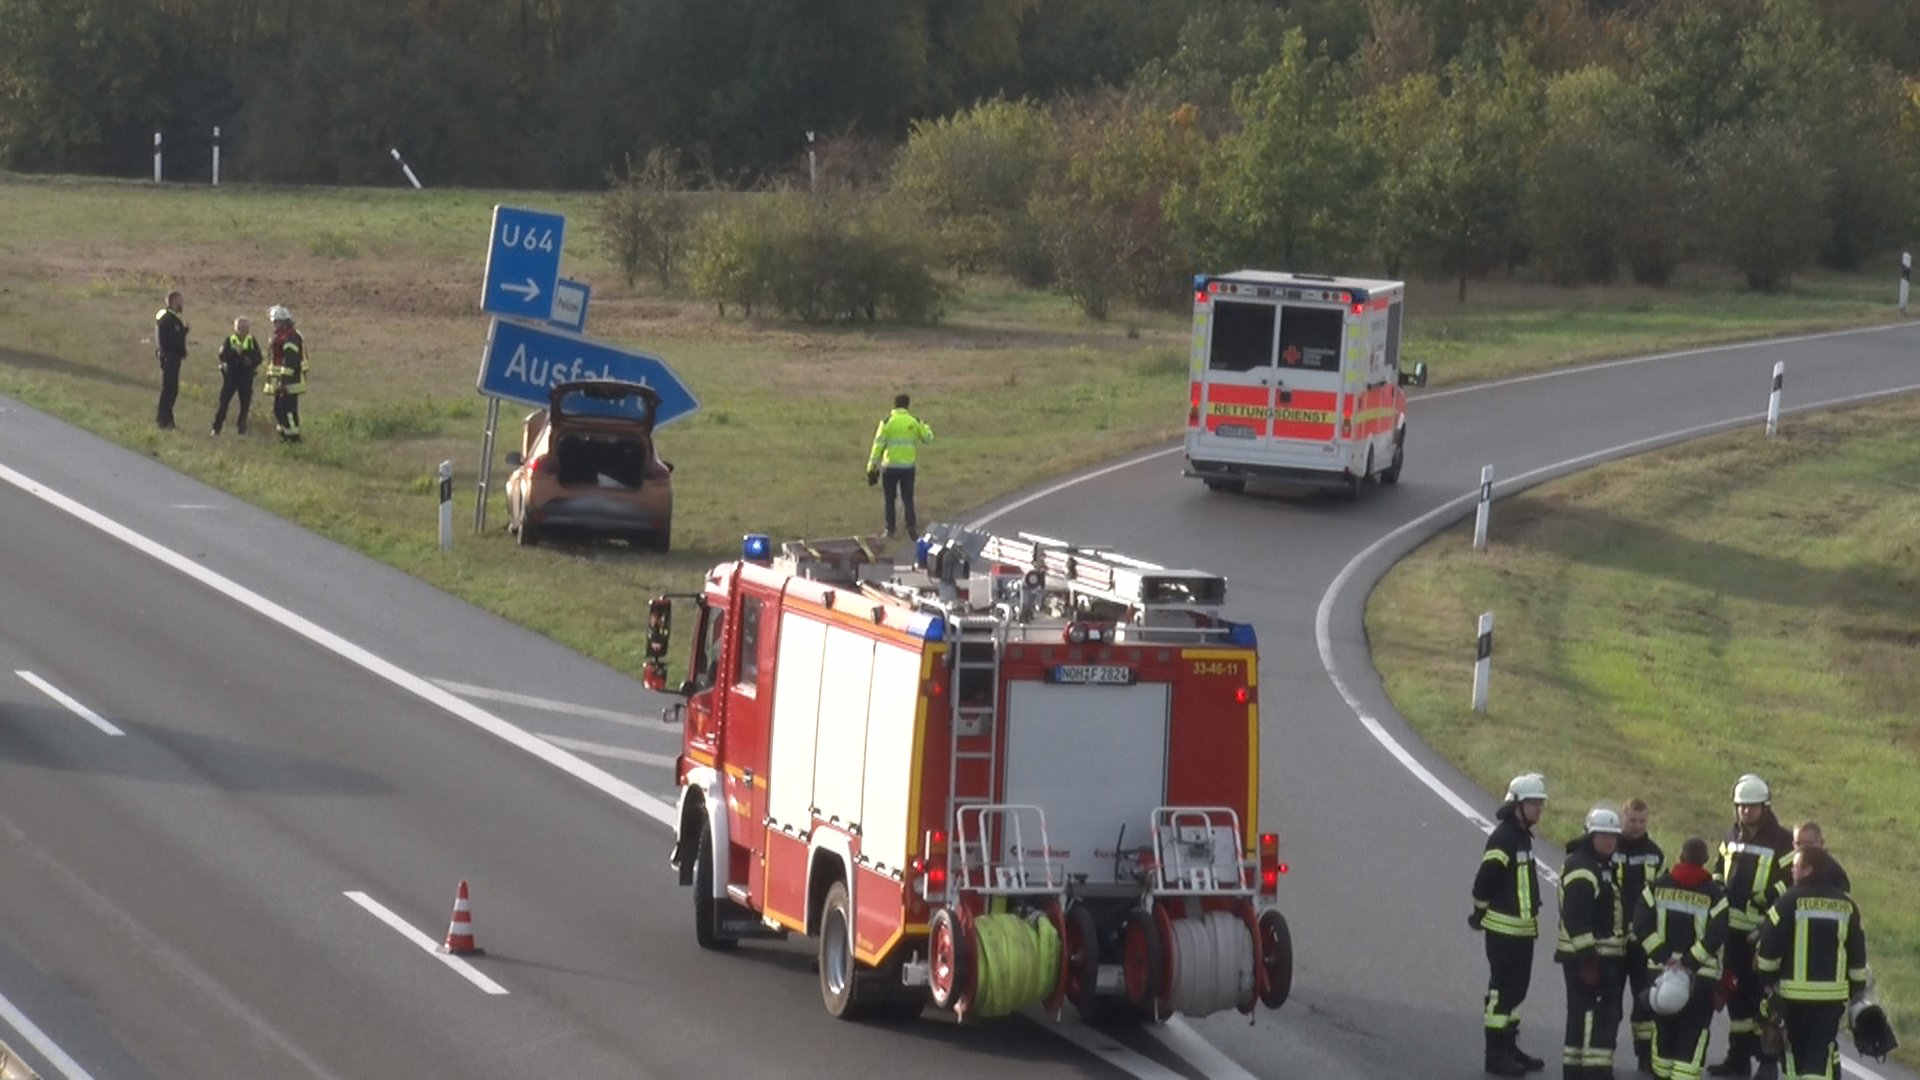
896,441
1589,905
287,364
1683,922
1755,869
1506,888
1814,943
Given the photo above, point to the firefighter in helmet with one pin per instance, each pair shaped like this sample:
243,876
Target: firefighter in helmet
1680,927
1590,948
1813,956
1756,861
1506,908
286,373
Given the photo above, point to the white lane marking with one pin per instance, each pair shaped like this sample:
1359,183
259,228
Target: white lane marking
428,945
1472,388
508,697
73,706
619,753
38,1039
1103,1046
195,506
1193,1048
584,771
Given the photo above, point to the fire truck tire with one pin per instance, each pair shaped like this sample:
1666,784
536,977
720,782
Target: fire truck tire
1276,959
950,959
1080,947
1145,958
1391,474
706,910
1231,487
846,991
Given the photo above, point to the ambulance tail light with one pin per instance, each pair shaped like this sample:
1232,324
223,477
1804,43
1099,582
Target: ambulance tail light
1270,865
1199,296
1358,310
1193,416
1346,427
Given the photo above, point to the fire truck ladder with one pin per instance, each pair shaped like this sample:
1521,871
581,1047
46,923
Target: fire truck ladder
1108,576
976,664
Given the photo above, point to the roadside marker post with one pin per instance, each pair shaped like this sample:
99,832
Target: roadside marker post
1482,662
405,168
156,157
1480,513
1906,278
216,155
446,506
1773,399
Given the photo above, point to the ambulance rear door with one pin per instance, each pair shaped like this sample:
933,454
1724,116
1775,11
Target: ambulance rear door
1307,383
1235,380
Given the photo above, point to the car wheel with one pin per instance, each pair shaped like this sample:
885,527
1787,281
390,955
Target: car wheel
1392,473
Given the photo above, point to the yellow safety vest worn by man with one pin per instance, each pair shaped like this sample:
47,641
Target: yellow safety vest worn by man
896,449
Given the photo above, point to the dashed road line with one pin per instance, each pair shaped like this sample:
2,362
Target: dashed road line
72,706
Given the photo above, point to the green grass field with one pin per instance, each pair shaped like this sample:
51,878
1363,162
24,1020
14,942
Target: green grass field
1666,623
385,284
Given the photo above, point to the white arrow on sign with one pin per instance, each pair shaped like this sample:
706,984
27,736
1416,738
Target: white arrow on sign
528,292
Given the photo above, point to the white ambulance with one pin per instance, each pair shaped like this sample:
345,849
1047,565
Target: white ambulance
1296,377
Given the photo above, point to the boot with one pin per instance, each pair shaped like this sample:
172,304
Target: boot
1527,1061
1643,1055
1501,1059
1766,1070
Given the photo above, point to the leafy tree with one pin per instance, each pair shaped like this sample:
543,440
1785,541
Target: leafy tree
1592,174
1762,197
973,173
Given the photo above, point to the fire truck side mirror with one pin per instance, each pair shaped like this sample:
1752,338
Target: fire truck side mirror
659,640
1416,377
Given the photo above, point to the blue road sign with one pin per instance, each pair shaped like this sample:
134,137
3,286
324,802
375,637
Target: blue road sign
570,305
523,263
523,363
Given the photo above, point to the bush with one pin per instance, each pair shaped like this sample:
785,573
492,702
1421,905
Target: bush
972,174
817,258
646,215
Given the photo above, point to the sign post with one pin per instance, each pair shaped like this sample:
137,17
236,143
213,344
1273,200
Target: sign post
486,464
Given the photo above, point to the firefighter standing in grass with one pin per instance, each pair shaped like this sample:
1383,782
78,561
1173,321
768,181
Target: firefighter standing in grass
1813,954
1756,860
1590,948
896,444
1636,861
1506,908
286,373
1680,925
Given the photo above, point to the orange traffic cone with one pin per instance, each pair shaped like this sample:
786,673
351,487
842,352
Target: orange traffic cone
460,931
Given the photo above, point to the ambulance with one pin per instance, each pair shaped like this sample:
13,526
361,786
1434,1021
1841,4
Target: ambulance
1297,378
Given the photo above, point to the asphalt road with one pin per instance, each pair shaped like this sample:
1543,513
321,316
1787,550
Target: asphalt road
299,723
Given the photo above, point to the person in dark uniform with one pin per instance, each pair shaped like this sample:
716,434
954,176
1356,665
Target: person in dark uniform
1637,861
170,348
1506,909
286,373
239,356
1756,860
1591,944
1681,923
1813,956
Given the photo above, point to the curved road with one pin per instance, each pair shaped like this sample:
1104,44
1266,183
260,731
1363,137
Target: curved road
313,749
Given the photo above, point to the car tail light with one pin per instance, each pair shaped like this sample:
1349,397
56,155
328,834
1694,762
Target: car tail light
1270,865
545,464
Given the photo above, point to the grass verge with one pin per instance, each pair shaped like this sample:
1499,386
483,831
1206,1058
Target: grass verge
385,286
1666,623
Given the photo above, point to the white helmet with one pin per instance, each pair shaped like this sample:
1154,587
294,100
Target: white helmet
1603,819
277,313
1670,991
1750,790
1527,786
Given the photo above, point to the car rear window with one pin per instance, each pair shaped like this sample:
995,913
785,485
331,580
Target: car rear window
602,403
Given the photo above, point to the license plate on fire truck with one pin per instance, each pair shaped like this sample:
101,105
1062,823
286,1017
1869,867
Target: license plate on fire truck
1101,674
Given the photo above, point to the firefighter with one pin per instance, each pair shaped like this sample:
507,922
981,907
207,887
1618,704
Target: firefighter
896,444
1636,861
1808,834
239,356
1590,947
169,348
286,373
1681,924
1813,955
1506,908
1756,860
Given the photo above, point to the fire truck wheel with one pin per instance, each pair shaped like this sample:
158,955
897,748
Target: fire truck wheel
840,985
1391,474
1145,957
1276,958
950,955
706,910
1081,946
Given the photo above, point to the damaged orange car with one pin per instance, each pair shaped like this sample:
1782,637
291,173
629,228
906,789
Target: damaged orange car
587,467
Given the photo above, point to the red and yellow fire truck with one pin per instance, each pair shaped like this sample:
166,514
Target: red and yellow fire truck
1296,378
1015,773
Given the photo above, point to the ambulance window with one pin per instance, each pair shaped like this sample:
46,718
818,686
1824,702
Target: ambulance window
1242,336
749,642
1393,337
1310,338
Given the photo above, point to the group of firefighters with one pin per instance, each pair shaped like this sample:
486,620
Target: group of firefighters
1767,930
240,357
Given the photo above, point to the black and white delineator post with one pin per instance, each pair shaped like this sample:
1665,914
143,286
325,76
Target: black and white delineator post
156,157
1906,278
405,168
1480,513
1773,399
216,155
1482,662
446,506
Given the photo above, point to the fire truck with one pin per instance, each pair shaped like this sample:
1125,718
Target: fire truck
1012,774
1296,378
